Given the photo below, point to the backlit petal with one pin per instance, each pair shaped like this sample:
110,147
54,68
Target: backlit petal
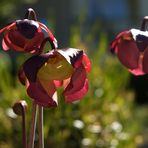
56,68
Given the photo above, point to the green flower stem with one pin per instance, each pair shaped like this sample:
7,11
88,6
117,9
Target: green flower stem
33,125
40,128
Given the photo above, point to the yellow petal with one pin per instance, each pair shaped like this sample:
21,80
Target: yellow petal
56,68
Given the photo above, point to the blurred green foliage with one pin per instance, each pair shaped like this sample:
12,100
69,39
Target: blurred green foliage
105,118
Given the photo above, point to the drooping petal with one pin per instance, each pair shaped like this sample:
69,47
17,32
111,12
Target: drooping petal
26,36
11,45
33,64
77,87
20,43
129,47
46,98
86,62
9,26
139,70
69,98
128,53
145,62
16,38
56,68
4,45
3,29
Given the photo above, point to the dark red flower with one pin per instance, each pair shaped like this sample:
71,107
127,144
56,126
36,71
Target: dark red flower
131,48
43,73
26,35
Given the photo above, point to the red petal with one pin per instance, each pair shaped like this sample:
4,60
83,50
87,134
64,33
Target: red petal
16,38
4,45
83,58
126,35
9,26
17,42
76,85
128,53
41,96
47,30
35,43
145,62
7,43
87,63
139,70
11,45
51,36
78,94
3,29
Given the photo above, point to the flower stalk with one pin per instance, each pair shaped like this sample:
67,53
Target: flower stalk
33,125
40,128
20,108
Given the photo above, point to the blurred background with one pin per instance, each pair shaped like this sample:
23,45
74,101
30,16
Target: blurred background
114,113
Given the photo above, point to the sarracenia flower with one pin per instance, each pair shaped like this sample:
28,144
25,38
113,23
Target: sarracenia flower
131,48
43,73
26,35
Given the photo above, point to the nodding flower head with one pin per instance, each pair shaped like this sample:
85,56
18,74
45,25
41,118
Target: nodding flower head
26,35
43,74
131,48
